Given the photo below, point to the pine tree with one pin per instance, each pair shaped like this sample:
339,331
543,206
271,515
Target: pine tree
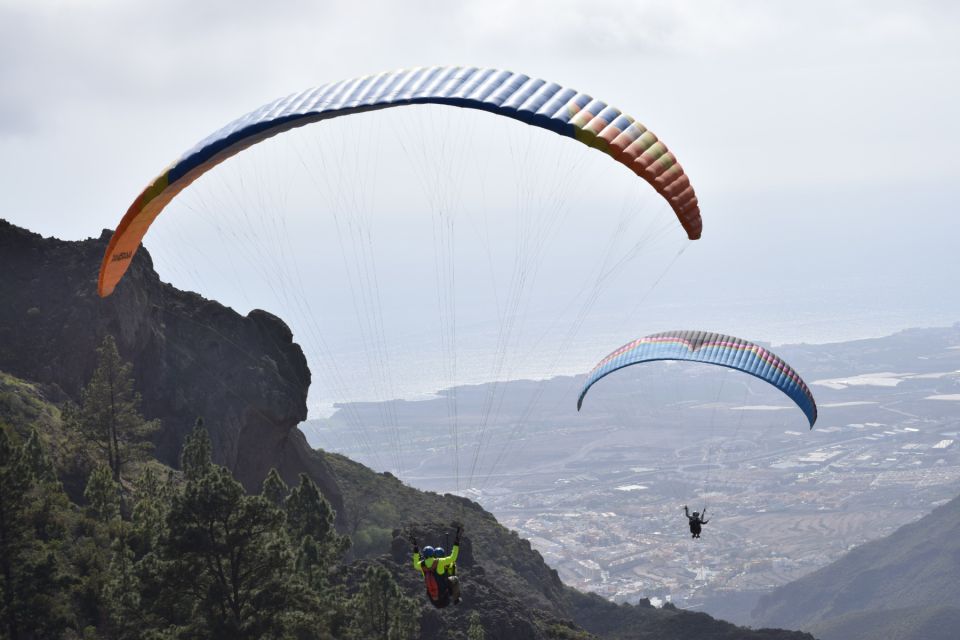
14,534
49,506
225,558
98,537
320,548
102,495
406,619
275,490
381,611
31,573
109,414
310,514
36,460
120,594
151,500
195,457
475,630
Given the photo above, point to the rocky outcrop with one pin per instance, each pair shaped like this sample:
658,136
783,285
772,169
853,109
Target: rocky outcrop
192,356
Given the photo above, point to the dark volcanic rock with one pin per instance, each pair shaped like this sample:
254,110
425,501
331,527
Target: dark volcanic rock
192,356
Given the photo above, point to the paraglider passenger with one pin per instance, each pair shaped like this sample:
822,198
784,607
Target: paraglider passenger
439,572
696,520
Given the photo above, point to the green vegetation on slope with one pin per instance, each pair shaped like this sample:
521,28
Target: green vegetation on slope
23,405
171,554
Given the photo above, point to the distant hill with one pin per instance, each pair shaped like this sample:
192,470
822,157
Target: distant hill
918,566
911,623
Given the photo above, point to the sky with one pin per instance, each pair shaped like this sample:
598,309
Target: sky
820,135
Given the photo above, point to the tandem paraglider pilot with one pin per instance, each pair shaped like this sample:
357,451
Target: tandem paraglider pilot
439,572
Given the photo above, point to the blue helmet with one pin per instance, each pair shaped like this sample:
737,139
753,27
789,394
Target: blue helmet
439,552
428,552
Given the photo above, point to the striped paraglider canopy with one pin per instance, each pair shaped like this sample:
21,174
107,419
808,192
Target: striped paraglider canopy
709,348
564,111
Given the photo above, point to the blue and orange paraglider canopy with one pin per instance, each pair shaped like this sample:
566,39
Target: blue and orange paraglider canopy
539,103
709,348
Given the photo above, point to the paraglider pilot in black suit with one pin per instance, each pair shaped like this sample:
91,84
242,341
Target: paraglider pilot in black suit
696,521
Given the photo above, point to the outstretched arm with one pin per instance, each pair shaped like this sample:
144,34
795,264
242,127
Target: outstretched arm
443,563
452,558
416,555
686,511
704,521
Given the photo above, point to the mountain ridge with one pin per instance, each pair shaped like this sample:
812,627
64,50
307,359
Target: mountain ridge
916,566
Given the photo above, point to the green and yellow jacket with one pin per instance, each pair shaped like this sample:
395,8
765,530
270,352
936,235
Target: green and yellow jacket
440,565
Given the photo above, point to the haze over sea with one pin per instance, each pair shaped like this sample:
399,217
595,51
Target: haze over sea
828,317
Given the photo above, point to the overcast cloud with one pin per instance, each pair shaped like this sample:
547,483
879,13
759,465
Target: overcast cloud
100,95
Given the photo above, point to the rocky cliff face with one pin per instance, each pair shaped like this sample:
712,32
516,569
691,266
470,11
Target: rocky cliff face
192,356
